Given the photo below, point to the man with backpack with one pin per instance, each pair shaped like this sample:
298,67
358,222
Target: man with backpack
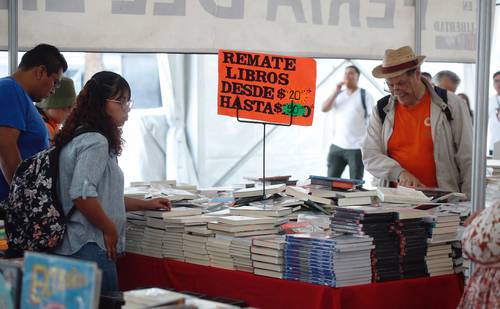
352,107
22,130
419,135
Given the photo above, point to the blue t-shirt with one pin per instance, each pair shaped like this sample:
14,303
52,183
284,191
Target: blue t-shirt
18,111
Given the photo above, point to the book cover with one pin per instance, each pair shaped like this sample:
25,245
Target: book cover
51,281
10,284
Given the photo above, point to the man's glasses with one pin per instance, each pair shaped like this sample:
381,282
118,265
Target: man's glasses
125,105
390,87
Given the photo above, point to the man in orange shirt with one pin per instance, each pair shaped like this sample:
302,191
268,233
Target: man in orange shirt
419,135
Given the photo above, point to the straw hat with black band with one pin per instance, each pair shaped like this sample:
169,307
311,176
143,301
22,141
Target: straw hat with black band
397,62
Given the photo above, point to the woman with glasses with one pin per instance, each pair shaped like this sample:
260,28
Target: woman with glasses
90,179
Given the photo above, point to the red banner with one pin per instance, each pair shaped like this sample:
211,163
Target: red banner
266,87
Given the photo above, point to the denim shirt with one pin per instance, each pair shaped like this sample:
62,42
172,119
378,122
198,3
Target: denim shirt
88,169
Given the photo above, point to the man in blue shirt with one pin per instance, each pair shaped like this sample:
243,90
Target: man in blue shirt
22,130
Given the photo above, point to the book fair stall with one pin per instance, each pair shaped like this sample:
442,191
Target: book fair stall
274,237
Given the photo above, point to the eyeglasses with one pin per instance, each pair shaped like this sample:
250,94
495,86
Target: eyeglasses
496,81
402,84
125,105
57,83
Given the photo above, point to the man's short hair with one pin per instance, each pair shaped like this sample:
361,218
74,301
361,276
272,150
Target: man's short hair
355,68
496,73
46,55
452,76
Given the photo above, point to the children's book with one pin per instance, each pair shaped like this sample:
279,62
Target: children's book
52,281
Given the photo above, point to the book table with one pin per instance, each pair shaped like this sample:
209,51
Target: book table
136,271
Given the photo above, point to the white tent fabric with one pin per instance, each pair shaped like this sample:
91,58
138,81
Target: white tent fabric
333,29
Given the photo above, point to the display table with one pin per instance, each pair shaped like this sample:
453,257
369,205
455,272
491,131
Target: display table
137,271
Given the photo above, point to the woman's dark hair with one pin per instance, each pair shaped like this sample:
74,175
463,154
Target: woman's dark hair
90,109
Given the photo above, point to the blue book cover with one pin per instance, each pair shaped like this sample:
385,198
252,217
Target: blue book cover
52,281
10,284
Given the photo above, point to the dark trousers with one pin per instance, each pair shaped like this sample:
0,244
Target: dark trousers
338,158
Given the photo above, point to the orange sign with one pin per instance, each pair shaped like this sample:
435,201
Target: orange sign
266,87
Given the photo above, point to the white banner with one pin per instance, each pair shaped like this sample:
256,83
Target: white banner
318,28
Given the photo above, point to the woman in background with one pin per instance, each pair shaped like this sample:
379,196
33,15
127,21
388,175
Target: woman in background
481,243
90,178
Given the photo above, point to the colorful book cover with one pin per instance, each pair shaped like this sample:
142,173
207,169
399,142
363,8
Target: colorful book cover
10,284
51,281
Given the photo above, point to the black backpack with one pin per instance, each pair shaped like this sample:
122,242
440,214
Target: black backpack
442,93
35,219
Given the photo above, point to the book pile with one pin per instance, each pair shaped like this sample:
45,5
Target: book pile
136,226
3,237
267,256
195,248
312,201
244,226
413,243
336,183
258,191
442,226
373,222
153,234
402,195
309,258
325,259
347,198
240,253
442,229
460,264
219,250
176,221
438,259
273,180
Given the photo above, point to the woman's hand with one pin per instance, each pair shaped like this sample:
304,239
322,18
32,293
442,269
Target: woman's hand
157,203
110,240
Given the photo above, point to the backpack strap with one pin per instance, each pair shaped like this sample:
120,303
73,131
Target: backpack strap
443,94
363,101
381,104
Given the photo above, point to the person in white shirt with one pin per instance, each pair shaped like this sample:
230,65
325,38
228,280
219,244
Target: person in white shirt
352,106
494,114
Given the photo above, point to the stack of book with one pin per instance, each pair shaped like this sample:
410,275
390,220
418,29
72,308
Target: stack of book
195,248
442,226
3,237
353,198
176,220
153,234
240,253
258,191
334,260
352,261
438,259
219,250
412,234
374,222
267,255
460,263
309,258
244,226
136,225
402,195
336,183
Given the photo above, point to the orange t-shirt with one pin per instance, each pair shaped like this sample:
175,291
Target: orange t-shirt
411,141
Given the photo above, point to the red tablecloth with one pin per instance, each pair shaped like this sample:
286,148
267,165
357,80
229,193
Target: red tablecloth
137,271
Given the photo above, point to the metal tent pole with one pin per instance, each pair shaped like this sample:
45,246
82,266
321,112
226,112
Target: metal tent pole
12,41
484,36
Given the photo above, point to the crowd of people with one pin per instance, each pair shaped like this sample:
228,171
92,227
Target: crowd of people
420,134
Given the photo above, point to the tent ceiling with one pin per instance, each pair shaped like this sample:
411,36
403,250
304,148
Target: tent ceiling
336,29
